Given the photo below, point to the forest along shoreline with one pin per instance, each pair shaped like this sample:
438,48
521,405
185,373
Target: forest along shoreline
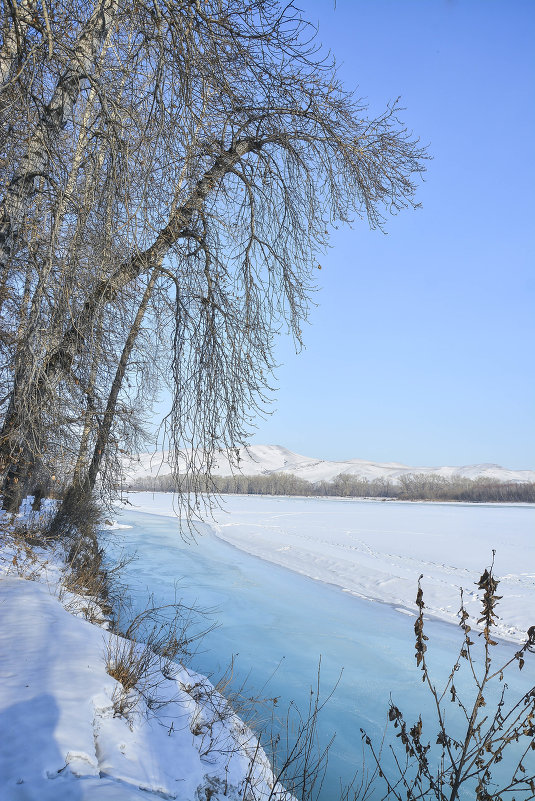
411,487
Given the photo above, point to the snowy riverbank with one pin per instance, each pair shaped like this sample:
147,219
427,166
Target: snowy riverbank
62,736
58,703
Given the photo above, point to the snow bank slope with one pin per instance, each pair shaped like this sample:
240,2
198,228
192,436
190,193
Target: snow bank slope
60,738
265,459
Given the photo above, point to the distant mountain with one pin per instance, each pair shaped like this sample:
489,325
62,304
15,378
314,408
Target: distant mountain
265,459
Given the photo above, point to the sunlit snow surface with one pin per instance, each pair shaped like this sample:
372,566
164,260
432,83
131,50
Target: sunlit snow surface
280,622
378,549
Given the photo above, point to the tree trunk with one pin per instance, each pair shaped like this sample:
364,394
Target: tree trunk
83,484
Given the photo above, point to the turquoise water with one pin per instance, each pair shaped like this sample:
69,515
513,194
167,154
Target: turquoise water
279,624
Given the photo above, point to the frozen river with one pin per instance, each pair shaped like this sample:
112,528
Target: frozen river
299,601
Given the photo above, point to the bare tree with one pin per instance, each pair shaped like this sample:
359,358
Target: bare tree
209,144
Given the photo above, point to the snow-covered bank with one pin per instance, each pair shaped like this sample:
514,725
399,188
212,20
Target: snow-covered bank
378,550
62,738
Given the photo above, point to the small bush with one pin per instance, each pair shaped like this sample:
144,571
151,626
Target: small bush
21,538
142,656
459,757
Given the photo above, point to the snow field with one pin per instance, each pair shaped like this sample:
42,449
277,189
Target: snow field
377,550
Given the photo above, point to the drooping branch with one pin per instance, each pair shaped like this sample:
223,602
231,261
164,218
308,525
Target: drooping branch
139,264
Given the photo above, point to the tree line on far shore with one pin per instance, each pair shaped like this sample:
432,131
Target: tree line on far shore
410,487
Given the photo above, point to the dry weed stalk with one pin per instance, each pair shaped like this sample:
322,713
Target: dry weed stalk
286,760
229,716
299,762
482,733
143,656
86,577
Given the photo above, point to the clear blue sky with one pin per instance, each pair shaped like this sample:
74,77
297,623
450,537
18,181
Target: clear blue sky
421,347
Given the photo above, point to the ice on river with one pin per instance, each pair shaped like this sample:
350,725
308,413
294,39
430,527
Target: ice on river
377,550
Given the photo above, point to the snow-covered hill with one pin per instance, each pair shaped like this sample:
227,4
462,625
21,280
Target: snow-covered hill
265,459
